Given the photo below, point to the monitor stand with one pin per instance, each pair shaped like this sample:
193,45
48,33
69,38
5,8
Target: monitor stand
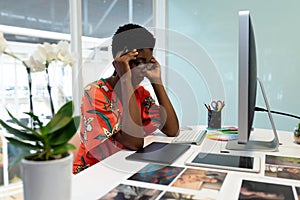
253,145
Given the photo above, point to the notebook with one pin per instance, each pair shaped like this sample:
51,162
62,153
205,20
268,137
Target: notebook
159,152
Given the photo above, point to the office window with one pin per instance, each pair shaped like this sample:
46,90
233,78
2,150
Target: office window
100,20
50,15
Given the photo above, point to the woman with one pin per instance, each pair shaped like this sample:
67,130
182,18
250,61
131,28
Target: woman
117,112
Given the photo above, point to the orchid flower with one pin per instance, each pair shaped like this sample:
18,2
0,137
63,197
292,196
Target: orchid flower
35,65
63,53
47,53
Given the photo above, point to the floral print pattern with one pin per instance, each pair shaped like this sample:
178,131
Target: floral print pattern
101,120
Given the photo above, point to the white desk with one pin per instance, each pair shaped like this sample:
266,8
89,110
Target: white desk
99,179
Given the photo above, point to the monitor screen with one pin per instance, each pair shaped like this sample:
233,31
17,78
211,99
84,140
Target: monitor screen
247,80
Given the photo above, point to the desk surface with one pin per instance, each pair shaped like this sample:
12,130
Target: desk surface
99,179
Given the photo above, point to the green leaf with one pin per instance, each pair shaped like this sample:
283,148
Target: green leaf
54,137
23,145
60,119
65,134
20,123
63,149
20,134
35,118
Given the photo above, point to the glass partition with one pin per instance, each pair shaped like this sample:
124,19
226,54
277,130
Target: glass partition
212,28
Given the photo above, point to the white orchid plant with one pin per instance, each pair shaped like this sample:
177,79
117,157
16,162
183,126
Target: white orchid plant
45,55
40,60
49,141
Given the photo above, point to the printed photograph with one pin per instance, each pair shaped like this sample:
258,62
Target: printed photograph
158,174
282,167
283,160
181,196
198,179
124,192
260,191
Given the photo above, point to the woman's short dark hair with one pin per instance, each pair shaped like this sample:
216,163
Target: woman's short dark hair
132,36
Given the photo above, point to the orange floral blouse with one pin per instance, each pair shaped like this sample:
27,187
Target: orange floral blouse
101,112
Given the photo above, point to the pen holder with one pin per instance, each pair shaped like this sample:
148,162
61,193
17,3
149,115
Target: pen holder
214,119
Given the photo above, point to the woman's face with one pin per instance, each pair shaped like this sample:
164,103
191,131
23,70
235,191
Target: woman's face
143,57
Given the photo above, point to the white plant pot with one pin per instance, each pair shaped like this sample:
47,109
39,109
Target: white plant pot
47,180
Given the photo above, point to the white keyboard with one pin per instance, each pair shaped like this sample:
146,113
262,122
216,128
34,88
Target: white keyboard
190,136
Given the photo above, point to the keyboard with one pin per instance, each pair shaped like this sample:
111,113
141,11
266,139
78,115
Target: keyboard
190,136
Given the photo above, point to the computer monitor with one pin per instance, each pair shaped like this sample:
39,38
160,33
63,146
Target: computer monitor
247,87
247,77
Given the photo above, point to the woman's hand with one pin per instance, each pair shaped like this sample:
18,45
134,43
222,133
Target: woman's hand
153,71
121,62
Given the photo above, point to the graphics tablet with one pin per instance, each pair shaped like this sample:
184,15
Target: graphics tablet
159,152
224,161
